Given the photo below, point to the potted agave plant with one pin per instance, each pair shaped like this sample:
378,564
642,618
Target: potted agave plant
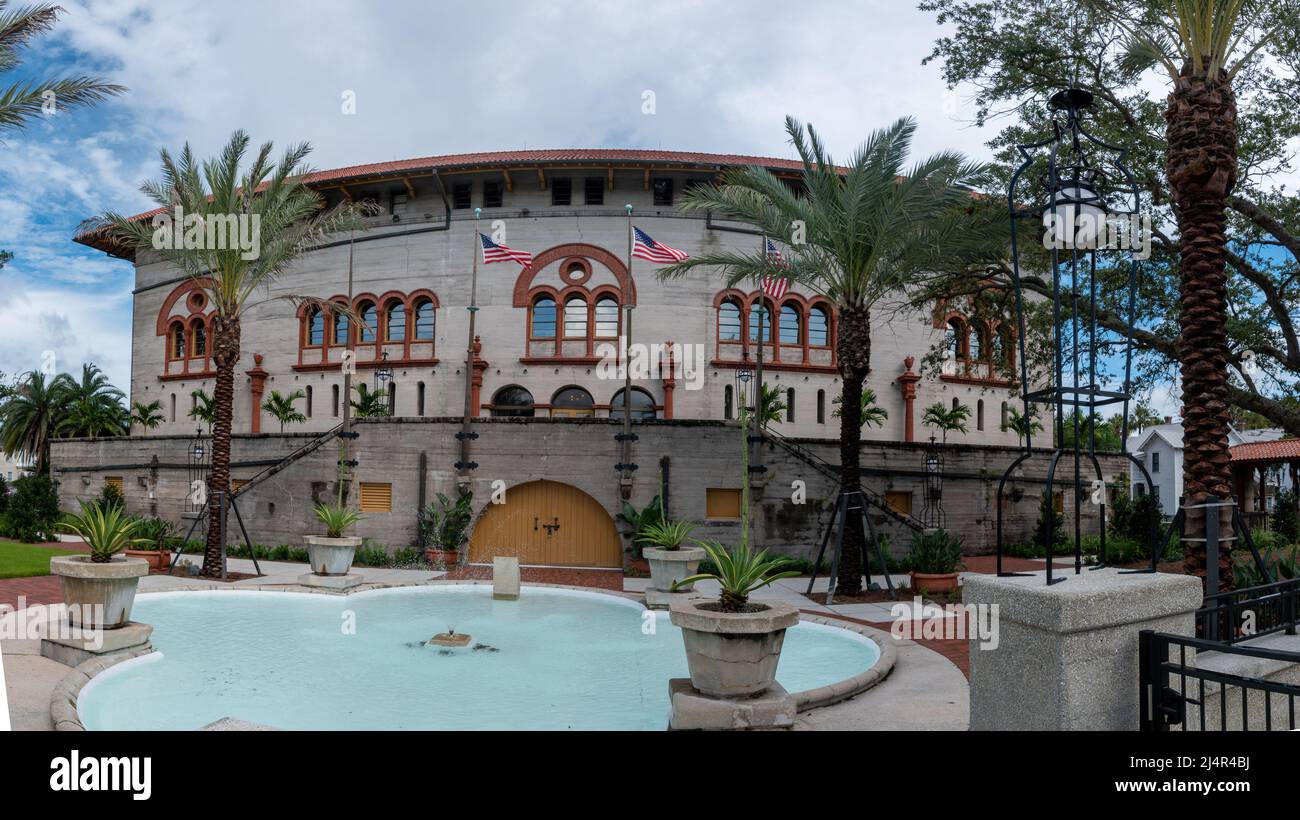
332,553
99,588
936,555
671,563
733,644
444,527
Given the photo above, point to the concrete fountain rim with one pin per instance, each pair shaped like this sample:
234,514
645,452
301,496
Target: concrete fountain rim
63,701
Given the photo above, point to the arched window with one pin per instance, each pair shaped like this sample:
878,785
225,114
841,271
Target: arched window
643,406
575,318
729,322
997,346
392,399
953,338
512,402
419,399
818,327
573,402
173,407
309,397
979,415
1005,417
178,341
789,325
728,403
369,321
335,402
199,335
543,321
763,309
821,406
606,318
1006,350
789,404
315,327
955,403
974,344
395,323
424,320
342,325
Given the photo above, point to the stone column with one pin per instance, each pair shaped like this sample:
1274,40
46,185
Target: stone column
1066,656
907,382
670,383
257,385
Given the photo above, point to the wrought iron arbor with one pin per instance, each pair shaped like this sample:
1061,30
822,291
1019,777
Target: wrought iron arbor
1088,204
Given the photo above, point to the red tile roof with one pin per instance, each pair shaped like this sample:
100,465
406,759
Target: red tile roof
1282,450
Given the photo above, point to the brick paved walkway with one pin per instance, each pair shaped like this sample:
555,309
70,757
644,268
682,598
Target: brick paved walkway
957,651
41,589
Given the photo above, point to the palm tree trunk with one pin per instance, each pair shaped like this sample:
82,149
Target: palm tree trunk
853,346
1201,128
225,354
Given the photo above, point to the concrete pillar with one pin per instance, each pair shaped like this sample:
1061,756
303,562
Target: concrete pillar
1066,656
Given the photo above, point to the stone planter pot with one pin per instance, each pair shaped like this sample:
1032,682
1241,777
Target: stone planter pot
732,654
927,582
667,567
99,596
331,556
157,559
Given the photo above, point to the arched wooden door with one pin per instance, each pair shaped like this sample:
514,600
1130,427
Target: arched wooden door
544,522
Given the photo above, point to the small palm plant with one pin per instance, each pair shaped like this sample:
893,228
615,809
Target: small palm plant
205,408
740,572
668,535
947,420
336,518
370,403
106,529
872,416
282,408
148,415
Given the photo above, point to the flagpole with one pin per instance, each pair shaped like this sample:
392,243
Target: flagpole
629,306
465,432
759,411
345,454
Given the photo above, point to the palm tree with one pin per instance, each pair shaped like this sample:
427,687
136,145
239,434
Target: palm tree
855,234
94,387
281,407
148,415
288,218
25,100
773,406
28,419
872,416
1023,426
87,417
946,419
204,408
1202,45
368,403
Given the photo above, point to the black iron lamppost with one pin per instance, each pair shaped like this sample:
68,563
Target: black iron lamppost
1086,204
932,515
383,378
198,472
743,377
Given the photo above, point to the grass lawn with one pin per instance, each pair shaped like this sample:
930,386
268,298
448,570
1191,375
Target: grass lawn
24,560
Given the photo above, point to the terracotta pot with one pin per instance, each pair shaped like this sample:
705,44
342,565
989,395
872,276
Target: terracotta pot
445,558
331,556
98,595
732,654
927,582
157,560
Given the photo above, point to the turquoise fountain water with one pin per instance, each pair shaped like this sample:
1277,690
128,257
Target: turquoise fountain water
554,659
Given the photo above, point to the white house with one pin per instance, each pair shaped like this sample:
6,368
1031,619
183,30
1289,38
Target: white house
1161,450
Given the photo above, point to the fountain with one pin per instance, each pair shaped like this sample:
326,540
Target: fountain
450,640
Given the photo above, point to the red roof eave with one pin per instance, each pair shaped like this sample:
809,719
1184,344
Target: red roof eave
1266,452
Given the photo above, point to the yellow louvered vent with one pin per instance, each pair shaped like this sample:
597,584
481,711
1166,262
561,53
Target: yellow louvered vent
721,503
376,497
114,481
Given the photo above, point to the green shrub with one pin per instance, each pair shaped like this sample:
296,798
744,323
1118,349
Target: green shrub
1286,515
371,555
110,496
4,526
34,508
4,494
1049,525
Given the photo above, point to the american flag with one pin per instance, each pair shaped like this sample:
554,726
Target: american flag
494,252
643,247
775,286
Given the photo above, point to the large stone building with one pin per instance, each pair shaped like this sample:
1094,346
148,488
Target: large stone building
545,333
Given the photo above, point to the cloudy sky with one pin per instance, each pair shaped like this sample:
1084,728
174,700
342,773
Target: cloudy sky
428,78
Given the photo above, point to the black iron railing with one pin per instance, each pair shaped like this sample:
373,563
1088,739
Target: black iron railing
1180,688
1242,614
